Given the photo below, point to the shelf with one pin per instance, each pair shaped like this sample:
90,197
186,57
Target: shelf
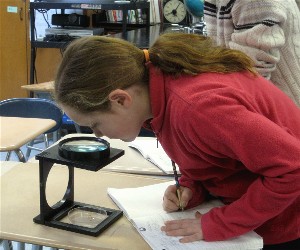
84,5
143,37
49,44
88,5
129,26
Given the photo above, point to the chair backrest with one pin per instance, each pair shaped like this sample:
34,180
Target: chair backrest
32,108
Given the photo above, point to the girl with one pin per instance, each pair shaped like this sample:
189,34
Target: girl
233,134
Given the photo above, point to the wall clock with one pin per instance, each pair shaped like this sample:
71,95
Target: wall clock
174,11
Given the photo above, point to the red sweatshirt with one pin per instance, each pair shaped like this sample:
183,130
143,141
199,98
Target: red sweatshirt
236,137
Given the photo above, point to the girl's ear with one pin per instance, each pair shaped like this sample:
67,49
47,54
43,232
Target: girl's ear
120,97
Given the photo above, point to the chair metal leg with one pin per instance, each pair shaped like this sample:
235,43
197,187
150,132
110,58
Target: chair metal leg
46,140
8,156
18,152
56,135
20,155
37,247
20,245
7,244
29,145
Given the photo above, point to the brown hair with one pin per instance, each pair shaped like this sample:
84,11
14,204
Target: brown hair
92,67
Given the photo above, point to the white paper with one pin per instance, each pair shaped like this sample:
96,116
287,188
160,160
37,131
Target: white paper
153,153
143,207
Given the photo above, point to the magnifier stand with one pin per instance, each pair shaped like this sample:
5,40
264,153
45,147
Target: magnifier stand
51,216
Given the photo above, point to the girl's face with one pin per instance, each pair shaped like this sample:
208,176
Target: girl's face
112,125
123,121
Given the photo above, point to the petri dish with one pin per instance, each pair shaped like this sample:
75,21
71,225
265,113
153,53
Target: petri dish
86,216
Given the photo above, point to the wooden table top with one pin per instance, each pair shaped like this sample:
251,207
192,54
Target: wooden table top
40,87
17,131
20,204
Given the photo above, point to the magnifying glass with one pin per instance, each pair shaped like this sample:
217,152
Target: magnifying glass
84,149
84,152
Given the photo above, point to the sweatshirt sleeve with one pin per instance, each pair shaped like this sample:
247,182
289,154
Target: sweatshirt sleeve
259,32
265,148
199,192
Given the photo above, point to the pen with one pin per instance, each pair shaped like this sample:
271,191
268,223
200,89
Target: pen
177,186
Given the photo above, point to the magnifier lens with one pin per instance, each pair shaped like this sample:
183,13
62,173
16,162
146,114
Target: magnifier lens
84,146
84,149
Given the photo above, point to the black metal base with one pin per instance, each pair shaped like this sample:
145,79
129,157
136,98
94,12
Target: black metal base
112,216
51,155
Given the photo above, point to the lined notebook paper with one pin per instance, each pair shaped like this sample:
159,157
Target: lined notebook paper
153,152
143,207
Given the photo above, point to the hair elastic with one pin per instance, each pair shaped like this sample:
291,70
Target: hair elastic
146,54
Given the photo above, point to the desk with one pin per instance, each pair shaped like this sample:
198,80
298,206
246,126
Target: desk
20,203
40,90
47,87
17,131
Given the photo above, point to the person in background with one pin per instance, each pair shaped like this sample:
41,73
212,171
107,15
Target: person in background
232,133
266,30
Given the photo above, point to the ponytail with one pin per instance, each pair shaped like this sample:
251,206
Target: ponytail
179,53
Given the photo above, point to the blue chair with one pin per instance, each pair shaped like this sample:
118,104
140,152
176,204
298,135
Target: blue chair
33,108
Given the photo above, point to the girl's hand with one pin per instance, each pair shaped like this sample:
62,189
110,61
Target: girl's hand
190,229
171,201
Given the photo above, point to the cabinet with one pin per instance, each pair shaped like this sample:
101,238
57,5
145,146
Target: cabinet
14,43
78,4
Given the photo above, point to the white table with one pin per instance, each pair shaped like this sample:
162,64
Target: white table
17,131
